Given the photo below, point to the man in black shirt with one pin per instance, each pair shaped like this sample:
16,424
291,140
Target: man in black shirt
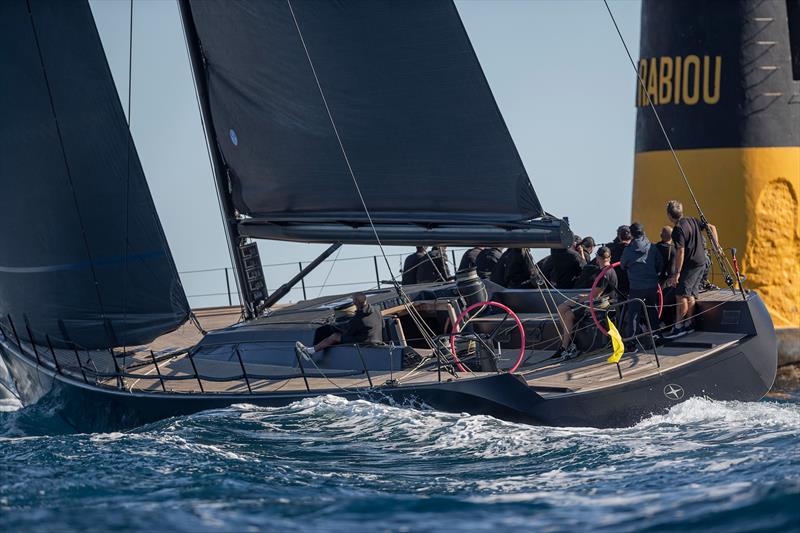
688,266
470,258
622,240
487,260
564,266
366,327
514,270
571,312
410,266
667,251
434,267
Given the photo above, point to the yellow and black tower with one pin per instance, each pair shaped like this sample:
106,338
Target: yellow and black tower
724,76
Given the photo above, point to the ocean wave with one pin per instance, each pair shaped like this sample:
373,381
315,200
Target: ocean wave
330,464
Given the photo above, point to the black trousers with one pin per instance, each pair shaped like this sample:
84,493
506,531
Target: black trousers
634,312
323,332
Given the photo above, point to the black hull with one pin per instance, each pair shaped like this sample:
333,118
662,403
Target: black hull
743,372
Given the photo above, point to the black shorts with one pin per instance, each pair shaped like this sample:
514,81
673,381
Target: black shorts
689,281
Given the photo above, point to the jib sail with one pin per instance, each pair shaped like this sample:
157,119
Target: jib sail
83,258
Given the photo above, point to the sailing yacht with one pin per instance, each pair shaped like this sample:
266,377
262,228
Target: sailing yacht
327,122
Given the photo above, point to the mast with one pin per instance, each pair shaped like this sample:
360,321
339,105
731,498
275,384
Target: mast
221,179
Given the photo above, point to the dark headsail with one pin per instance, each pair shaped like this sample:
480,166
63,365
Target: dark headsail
415,114
83,257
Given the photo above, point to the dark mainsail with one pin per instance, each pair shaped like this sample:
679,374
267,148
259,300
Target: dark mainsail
415,114
83,257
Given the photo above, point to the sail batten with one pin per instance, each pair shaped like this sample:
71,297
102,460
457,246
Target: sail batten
405,91
83,256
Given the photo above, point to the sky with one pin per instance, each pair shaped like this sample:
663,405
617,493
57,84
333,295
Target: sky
557,70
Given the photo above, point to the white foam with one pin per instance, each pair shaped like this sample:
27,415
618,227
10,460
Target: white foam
742,414
8,405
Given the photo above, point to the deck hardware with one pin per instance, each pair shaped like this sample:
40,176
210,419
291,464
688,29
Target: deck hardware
199,381
158,371
228,288
14,331
80,364
53,353
302,370
377,272
120,379
32,341
364,364
244,372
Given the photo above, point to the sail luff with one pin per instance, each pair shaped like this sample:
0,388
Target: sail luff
219,169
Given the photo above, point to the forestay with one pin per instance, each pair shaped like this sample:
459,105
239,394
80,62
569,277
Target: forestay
83,257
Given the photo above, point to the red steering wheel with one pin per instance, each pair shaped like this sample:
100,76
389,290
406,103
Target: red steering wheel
457,329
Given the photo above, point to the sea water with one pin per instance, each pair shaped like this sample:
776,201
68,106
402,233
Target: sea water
329,464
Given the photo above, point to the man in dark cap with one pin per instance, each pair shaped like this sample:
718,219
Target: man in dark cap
642,262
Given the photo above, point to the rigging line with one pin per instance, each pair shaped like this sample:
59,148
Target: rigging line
401,294
721,259
127,182
435,266
338,137
655,112
66,164
330,270
545,294
540,274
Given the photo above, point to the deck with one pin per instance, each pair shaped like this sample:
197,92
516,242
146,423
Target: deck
163,366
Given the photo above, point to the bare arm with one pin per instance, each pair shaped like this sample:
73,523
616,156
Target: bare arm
715,236
680,253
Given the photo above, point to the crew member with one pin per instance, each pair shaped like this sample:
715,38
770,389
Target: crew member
470,258
617,247
667,251
564,266
571,312
585,248
687,270
487,260
642,262
366,327
410,266
434,267
515,269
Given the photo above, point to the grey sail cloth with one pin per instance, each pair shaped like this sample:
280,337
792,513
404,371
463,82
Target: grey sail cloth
416,116
71,189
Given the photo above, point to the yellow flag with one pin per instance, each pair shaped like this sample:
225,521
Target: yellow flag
616,342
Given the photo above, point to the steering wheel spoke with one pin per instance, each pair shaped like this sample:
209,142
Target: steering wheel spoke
488,339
